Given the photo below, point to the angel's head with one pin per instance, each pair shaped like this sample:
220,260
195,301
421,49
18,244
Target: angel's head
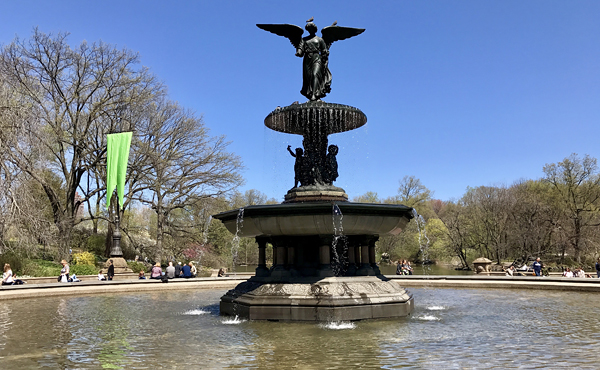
311,28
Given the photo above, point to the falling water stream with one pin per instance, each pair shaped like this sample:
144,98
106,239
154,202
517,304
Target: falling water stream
235,243
339,258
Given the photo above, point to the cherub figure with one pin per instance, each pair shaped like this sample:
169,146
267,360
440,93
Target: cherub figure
331,166
298,165
316,78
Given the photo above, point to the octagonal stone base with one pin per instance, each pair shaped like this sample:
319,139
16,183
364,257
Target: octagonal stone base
328,299
316,193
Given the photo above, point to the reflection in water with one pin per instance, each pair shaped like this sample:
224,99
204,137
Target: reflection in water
450,328
5,322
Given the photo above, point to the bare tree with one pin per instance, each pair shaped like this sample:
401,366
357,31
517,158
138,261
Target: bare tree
412,192
23,215
459,229
76,93
490,208
182,165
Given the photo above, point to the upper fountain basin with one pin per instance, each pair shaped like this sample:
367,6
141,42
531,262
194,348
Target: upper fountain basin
316,219
329,118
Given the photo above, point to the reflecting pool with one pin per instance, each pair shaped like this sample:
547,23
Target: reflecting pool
450,328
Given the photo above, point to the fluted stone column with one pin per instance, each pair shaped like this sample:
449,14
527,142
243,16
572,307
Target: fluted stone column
351,271
325,269
365,264
261,269
279,272
291,261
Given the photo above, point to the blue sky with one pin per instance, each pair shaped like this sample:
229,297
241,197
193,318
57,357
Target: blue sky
457,93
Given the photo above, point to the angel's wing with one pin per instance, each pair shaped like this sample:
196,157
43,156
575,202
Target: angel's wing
335,33
290,31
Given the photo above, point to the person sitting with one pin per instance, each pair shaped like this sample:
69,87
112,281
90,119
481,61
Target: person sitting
221,272
187,271
194,269
399,268
8,278
178,270
568,273
64,272
170,271
141,275
101,276
156,272
510,271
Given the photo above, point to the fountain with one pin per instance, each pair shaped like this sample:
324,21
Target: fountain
324,266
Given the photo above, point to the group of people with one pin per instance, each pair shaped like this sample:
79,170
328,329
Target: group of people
110,272
8,278
578,272
539,270
404,268
179,271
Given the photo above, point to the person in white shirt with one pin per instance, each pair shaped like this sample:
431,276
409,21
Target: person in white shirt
568,273
101,275
7,276
510,271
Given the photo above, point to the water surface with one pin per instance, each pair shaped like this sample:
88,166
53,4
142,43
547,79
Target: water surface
450,328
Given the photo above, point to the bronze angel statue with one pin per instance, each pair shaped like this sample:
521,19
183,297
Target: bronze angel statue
316,78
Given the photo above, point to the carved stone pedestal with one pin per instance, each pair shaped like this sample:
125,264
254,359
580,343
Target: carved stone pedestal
328,299
120,265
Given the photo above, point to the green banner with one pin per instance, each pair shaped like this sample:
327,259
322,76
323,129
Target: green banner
117,154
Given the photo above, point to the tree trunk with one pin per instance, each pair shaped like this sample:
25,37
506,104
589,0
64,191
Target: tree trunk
65,227
159,234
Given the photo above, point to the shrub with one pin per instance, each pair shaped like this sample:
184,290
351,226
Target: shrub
96,244
204,271
83,270
14,260
38,268
84,258
137,266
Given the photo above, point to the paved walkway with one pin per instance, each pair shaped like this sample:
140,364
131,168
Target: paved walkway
421,281
503,282
120,285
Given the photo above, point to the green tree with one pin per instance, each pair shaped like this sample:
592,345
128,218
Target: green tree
368,197
576,183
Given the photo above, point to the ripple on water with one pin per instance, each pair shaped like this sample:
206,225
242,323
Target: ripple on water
338,325
522,329
427,318
436,308
196,312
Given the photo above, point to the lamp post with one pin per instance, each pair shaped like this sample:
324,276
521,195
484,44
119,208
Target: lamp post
116,251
